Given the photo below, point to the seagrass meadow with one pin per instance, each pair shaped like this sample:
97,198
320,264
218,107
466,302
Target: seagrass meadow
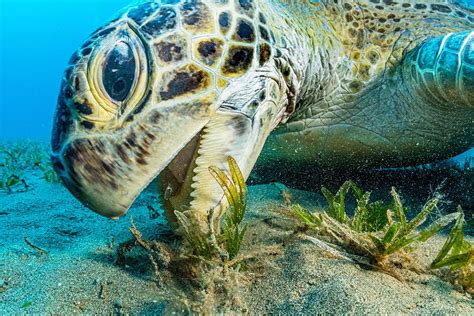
56,257
228,157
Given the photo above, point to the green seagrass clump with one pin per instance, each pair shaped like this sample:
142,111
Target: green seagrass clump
201,244
235,191
39,159
220,240
378,232
15,159
368,216
458,255
49,174
11,169
46,168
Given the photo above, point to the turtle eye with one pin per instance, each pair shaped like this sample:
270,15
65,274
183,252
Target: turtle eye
119,72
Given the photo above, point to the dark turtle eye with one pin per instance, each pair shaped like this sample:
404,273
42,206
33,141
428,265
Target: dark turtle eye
119,72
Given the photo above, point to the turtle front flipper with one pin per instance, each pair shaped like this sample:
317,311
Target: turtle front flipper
441,70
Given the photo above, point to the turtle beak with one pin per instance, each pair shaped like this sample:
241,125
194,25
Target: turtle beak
106,171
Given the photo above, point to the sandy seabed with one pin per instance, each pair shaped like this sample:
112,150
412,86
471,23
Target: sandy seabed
79,272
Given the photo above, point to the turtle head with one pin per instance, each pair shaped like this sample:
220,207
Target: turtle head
142,97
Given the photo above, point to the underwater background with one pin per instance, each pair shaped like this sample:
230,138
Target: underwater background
56,256
37,39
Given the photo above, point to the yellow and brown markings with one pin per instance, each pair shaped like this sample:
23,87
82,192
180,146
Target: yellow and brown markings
264,53
208,50
76,102
222,83
201,106
241,26
135,146
87,164
244,32
72,82
238,21
197,17
184,81
140,144
100,161
171,49
238,60
197,45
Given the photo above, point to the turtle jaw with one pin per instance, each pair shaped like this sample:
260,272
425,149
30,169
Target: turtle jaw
107,176
107,170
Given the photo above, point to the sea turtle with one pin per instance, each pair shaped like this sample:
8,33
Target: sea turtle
171,87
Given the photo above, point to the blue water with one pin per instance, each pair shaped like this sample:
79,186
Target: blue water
37,39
